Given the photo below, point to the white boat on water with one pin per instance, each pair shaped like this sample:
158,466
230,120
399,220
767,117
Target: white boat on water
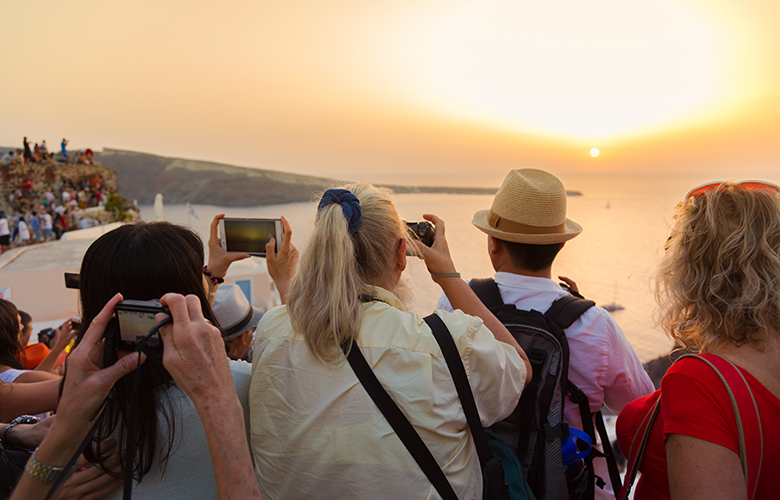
615,304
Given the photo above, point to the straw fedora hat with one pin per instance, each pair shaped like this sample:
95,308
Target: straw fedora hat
234,312
530,207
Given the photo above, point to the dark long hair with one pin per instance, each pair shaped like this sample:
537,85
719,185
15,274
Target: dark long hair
10,344
143,261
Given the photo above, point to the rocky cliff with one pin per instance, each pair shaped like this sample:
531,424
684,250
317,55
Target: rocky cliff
141,176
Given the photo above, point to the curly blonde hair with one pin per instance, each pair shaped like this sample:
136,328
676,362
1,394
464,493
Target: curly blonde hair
720,278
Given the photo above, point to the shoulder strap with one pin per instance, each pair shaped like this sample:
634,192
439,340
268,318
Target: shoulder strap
487,291
399,423
609,454
751,446
491,466
565,311
638,445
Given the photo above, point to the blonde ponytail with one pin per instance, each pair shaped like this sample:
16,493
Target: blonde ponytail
336,268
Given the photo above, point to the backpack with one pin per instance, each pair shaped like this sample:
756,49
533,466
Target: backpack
535,429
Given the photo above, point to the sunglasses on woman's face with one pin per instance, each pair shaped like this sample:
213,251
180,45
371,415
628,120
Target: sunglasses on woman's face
767,187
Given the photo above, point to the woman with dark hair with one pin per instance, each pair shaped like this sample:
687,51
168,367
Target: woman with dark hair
145,261
718,288
12,349
315,431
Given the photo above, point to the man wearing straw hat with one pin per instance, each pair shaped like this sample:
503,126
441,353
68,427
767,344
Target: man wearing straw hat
526,228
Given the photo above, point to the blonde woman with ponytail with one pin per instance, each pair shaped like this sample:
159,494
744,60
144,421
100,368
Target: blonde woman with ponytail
316,433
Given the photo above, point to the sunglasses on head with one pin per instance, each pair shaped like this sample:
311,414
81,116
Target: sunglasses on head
748,185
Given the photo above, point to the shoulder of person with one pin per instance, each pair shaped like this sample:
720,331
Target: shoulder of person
273,316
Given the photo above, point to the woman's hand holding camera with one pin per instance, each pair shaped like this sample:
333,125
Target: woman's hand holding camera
437,256
442,269
219,258
282,264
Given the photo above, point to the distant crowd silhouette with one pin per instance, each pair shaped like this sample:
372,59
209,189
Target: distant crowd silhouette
40,153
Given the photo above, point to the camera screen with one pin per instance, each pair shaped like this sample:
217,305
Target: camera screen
248,236
134,325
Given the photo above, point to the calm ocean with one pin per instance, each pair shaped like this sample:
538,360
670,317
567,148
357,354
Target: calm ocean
625,219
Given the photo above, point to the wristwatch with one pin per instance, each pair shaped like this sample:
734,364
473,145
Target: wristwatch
24,419
45,473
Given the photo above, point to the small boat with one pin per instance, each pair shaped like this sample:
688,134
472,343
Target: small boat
615,304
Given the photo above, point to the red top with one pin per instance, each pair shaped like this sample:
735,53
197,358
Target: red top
694,402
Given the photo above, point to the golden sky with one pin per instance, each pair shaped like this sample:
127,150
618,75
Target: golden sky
456,91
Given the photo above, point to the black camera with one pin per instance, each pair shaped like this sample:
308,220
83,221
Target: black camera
45,336
132,322
423,231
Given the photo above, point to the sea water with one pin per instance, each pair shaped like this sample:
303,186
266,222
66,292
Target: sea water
625,220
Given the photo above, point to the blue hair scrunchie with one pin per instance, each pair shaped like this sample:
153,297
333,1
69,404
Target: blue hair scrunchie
350,206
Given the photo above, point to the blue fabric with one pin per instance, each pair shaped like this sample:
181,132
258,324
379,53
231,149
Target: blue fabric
350,206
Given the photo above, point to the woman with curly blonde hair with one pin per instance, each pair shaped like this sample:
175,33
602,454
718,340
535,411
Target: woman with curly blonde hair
718,288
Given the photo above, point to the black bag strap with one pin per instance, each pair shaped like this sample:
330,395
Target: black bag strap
491,466
609,454
565,311
399,422
487,291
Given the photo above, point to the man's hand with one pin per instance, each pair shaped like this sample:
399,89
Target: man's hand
220,259
570,283
30,436
282,264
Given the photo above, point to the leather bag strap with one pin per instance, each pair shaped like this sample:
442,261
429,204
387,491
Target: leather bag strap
751,446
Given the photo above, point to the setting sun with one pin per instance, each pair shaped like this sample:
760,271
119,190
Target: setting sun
594,152
506,64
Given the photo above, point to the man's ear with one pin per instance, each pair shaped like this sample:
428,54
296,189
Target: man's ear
494,245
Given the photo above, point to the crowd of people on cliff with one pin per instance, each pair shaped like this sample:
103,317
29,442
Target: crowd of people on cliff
40,153
349,395
44,216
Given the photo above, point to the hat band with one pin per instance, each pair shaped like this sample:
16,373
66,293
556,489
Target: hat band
229,332
510,226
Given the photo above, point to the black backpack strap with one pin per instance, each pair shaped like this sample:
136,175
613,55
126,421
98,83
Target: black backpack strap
491,466
487,291
579,398
609,454
399,423
565,311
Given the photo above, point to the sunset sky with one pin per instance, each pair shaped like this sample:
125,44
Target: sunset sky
382,89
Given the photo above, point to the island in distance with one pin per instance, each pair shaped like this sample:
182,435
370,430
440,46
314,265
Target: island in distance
141,176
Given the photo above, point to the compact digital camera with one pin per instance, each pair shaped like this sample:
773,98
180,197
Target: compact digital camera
423,231
132,321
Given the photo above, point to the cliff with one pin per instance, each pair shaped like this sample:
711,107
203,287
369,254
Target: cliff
142,175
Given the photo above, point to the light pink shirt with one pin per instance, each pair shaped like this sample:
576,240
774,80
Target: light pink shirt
601,360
